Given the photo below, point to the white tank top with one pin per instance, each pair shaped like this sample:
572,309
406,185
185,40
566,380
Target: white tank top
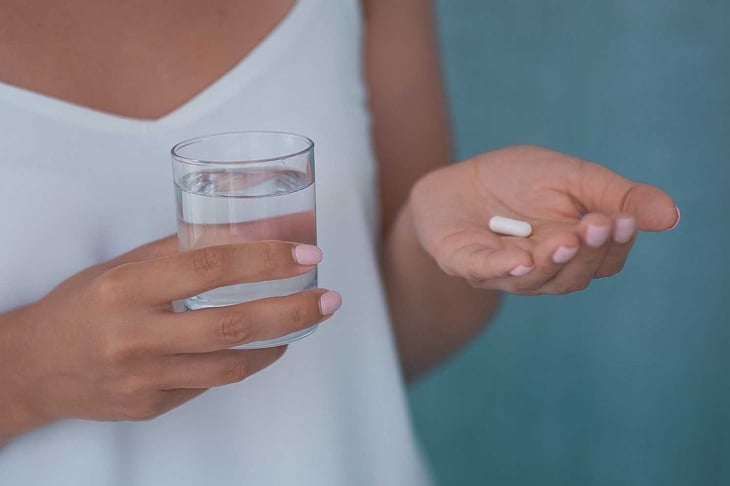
78,186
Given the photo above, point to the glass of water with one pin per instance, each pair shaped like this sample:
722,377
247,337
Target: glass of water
246,186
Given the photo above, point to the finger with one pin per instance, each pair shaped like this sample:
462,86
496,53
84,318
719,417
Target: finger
155,249
550,255
624,235
192,272
476,262
218,328
596,232
206,370
601,190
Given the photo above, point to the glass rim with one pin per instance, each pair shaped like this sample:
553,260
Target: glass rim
187,160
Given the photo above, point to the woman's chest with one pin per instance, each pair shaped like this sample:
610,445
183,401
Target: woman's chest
138,58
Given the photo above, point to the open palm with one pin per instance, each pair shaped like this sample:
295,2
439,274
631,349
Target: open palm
584,219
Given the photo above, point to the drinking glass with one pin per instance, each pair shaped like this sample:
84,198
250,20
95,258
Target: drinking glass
246,186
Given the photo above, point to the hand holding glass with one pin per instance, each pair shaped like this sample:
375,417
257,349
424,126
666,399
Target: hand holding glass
246,186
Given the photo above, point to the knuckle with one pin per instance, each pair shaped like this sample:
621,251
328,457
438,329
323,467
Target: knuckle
130,390
110,286
297,315
300,314
134,386
268,256
117,348
274,260
233,327
235,369
211,262
138,398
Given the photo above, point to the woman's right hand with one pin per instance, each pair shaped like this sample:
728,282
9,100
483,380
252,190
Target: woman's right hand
107,345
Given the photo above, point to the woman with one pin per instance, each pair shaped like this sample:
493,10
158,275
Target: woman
95,366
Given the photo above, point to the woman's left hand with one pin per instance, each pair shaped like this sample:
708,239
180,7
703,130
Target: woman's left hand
584,219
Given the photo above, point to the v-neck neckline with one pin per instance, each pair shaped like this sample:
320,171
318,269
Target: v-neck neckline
276,42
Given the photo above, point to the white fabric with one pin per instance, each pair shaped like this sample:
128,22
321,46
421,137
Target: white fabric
78,186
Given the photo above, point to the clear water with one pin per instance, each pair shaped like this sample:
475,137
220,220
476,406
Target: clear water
219,206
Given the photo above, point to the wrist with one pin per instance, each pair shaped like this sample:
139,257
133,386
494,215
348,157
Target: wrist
20,410
16,420
402,238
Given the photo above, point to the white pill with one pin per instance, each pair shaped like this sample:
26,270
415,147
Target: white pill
509,226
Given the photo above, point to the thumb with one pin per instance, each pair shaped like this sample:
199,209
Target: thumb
653,209
602,190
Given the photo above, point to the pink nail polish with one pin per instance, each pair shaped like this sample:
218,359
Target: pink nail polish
329,302
597,235
679,216
563,254
307,255
521,270
624,231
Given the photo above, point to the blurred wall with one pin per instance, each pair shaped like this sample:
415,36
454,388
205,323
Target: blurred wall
627,382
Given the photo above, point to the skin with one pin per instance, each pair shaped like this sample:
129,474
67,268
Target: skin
107,345
443,270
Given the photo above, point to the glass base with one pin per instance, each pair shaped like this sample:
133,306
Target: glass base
264,343
280,341
247,292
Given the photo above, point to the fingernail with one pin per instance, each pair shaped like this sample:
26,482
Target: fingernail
597,235
329,302
624,230
307,254
563,254
679,216
521,270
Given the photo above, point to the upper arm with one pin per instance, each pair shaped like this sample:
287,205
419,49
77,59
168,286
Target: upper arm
410,120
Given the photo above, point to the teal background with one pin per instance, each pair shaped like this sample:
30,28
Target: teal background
627,382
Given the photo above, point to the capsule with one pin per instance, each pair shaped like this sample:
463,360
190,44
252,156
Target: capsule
509,226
